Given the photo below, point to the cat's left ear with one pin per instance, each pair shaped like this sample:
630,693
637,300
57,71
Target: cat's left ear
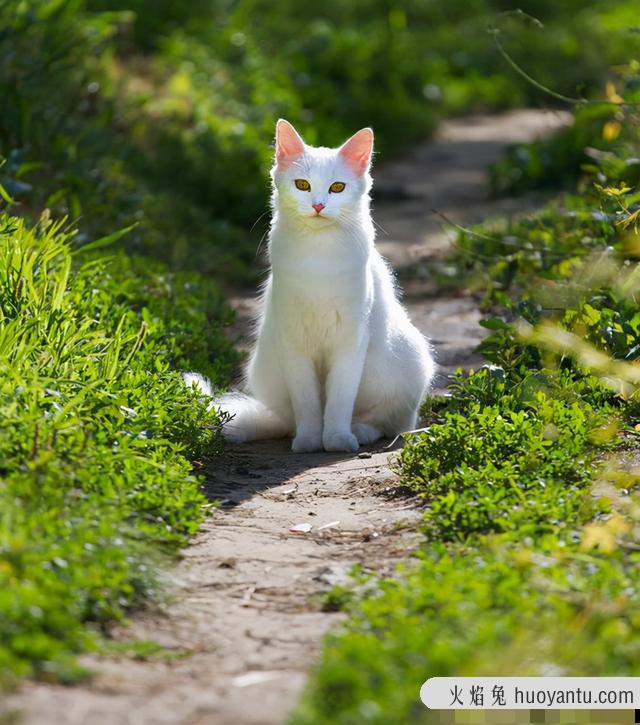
358,149
289,145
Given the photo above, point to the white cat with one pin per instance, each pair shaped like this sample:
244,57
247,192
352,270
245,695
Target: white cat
336,362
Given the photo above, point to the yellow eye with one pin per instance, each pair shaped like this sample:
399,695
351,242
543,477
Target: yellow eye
336,187
302,184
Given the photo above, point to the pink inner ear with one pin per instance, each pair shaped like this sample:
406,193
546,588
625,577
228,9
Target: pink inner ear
358,149
289,145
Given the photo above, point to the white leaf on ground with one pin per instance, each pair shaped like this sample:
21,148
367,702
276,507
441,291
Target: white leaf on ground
255,678
301,528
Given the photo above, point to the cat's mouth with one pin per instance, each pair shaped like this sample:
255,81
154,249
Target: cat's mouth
320,215
318,221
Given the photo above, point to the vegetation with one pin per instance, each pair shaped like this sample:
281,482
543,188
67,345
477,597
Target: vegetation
97,435
155,118
596,135
163,113
530,558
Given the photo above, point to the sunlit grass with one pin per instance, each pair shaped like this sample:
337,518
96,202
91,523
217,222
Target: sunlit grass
96,432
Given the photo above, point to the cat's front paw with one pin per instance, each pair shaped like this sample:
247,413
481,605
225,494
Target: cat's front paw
346,442
307,443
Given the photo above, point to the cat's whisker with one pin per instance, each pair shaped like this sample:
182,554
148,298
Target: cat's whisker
260,243
380,227
262,216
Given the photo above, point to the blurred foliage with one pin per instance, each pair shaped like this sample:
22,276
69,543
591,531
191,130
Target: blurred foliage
97,434
574,264
602,134
163,112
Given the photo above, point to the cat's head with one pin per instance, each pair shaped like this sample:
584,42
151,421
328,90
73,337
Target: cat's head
318,187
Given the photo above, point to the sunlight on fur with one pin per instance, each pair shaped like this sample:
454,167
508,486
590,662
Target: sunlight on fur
336,362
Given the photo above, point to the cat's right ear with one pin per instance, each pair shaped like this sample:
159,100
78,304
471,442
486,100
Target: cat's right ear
357,150
289,145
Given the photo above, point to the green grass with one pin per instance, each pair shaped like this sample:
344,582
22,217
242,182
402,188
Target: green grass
528,470
96,436
495,609
503,467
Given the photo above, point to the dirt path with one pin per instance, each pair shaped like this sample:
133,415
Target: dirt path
247,597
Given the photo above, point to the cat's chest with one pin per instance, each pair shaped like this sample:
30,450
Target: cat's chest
320,285
316,309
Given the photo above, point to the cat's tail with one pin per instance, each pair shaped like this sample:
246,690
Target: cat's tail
249,419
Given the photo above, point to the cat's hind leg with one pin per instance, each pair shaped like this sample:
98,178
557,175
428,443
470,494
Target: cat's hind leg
267,388
393,386
385,420
366,433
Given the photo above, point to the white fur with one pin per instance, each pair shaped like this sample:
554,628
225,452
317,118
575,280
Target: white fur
198,381
336,362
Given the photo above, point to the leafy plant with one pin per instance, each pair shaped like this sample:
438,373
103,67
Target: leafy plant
495,468
96,433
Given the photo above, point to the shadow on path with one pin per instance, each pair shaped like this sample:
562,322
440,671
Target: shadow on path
251,468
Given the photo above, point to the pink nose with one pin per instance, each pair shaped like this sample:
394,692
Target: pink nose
318,207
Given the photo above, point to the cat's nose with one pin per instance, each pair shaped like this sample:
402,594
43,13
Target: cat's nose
318,207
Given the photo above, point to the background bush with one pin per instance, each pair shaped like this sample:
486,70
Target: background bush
163,112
